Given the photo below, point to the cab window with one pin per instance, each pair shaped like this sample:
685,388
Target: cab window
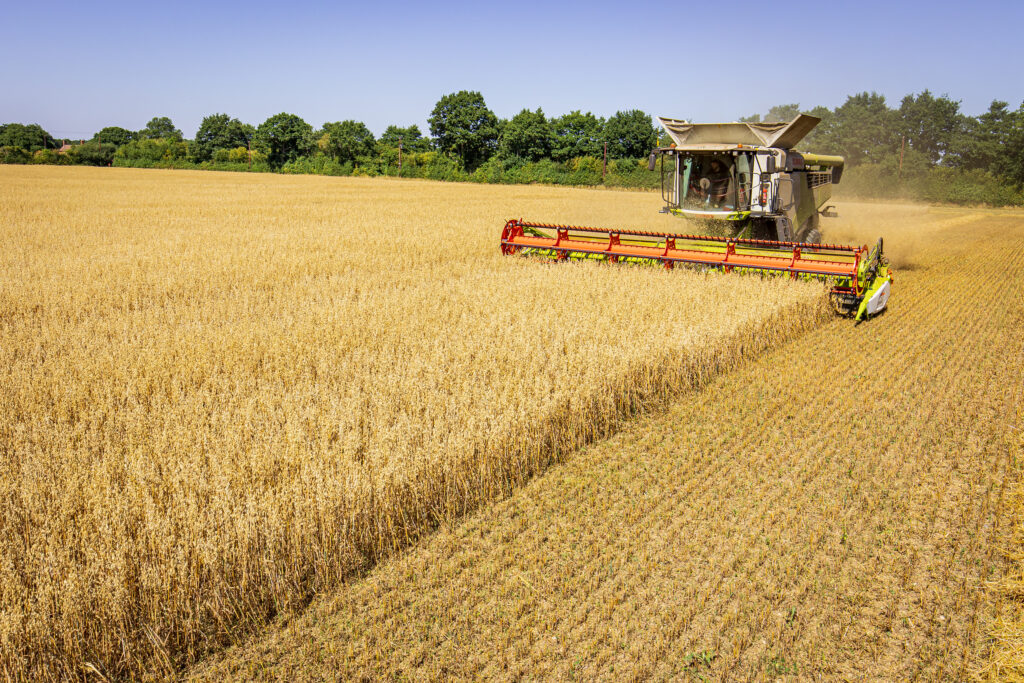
715,182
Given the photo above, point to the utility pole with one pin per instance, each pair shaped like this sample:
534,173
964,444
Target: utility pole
399,157
903,141
248,147
604,168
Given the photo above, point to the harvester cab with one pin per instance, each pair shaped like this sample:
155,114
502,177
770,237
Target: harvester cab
746,176
749,176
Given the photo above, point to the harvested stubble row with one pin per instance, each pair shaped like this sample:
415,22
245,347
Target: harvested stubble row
222,393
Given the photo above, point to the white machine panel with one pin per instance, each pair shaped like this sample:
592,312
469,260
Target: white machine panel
879,299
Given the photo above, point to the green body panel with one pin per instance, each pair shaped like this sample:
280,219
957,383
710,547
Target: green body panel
824,160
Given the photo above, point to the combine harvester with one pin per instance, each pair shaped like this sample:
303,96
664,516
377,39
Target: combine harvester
748,178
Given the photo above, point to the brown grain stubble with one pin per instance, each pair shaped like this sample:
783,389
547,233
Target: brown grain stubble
827,511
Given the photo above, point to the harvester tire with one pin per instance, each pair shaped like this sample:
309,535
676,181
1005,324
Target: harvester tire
809,233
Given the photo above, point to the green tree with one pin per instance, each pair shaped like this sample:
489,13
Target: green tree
576,135
630,134
346,140
412,138
981,141
28,137
146,151
753,118
822,138
930,123
114,135
93,153
783,113
285,137
864,129
526,136
1009,160
159,128
220,131
10,154
463,126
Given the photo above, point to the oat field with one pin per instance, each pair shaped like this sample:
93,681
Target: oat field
845,506
221,394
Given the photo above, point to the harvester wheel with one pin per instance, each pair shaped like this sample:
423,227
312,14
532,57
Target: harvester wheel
809,233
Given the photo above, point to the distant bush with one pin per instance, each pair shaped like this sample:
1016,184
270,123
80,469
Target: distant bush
491,171
581,171
49,156
939,184
967,187
438,166
9,154
150,152
584,171
238,155
92,154
237,166
317,165
366,169
544,171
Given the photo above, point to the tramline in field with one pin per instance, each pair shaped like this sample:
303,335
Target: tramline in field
746,177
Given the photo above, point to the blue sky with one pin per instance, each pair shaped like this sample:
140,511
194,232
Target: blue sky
74,67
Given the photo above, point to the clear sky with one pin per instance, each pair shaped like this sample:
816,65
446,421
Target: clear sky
74,67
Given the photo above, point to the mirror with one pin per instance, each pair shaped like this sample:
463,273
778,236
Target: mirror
650,161
769,165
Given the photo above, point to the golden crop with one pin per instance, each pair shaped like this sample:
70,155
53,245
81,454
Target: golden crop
220,393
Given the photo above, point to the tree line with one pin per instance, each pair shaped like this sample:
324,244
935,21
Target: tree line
925,147
924,132
461,126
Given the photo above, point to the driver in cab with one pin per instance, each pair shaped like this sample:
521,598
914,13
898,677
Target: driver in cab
714,185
